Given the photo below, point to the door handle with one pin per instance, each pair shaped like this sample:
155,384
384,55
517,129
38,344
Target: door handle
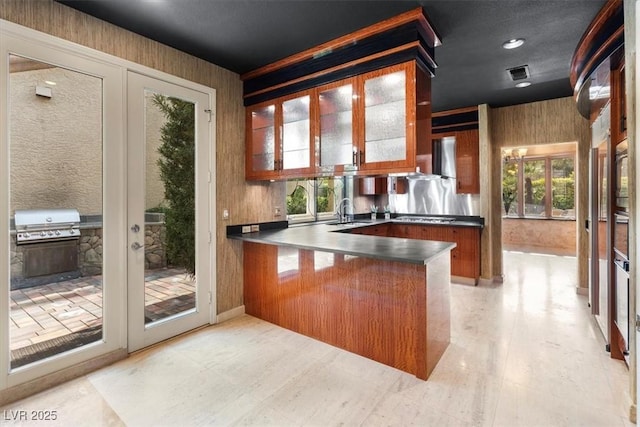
135,246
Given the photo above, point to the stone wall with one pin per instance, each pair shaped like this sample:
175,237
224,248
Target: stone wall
90,256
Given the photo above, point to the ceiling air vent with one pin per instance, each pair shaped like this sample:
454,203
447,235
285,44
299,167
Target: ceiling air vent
519,73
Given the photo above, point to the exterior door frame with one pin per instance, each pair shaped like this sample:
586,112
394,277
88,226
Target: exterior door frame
140,334
15,42
23,41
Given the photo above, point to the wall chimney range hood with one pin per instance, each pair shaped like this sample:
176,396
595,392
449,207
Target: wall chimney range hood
443,161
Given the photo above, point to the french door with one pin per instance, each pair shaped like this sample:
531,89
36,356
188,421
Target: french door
61,147
168,210
132,156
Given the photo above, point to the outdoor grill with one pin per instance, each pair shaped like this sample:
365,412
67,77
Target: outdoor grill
46,225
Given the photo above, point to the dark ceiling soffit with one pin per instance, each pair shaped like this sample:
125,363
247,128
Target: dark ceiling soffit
359,50
455,122
603,37
406,55
409,40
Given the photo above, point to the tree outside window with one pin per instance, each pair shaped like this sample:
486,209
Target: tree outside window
534,187
563,187
313,199
539,187
510,188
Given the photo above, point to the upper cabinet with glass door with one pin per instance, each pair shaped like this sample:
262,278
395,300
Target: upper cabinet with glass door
261,160
336,152
373,123
279,138
369,104
387,137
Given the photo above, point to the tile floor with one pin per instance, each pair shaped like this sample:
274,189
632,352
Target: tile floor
523,353
45,312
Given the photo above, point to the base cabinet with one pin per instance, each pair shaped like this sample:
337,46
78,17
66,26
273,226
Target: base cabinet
465,257
393,312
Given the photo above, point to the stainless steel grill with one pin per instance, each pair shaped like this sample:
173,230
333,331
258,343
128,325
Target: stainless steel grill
46,225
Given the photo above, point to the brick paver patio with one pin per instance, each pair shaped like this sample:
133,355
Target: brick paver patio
46,312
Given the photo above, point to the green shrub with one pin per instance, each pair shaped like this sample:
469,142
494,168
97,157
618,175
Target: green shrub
177,172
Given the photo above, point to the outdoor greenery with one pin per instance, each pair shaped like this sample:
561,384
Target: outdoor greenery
298,202
509,185
534,183
176,164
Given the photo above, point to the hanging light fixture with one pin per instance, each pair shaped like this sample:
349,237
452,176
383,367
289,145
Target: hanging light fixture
513,154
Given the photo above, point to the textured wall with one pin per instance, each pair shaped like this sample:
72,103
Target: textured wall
553,237
246,202
542,122
56,143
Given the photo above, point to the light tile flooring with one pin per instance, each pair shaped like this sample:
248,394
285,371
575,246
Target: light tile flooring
523,353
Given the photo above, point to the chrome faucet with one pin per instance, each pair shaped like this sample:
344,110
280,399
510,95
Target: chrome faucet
342,214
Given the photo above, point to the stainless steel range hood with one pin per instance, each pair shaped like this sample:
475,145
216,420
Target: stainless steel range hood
443,161
444,157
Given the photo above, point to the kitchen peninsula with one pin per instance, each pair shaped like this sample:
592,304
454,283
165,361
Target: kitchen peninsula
384,298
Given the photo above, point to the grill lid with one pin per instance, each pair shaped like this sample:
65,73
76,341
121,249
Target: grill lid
47,218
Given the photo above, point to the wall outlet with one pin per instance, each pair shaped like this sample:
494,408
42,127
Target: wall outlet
277,211
225,213
246,229
255,227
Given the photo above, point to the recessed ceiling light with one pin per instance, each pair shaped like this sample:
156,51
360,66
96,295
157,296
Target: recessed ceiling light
523,84
513,43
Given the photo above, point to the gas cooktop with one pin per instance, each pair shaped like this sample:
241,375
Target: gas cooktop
426,219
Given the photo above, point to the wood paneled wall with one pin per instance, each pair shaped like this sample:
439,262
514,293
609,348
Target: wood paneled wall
541,122
246,202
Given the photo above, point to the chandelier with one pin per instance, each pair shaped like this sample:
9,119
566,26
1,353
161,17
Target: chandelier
513,154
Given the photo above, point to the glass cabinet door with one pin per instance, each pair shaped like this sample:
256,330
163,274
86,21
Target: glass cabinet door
262,150
386,118
336,129
296,134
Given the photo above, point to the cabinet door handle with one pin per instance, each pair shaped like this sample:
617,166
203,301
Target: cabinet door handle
361,157
355,157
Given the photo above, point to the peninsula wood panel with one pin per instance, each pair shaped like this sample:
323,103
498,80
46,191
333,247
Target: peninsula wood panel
384,310
258,199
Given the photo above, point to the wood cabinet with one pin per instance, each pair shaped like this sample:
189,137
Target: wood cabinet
465,257
336,126
374,123
618,104
280,140
467,160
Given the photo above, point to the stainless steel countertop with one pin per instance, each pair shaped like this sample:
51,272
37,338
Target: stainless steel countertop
328,238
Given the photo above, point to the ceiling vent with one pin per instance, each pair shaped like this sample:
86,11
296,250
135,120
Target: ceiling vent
519,73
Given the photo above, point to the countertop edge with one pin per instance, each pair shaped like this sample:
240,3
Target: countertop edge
262,237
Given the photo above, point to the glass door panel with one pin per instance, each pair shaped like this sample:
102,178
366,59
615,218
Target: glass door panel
263,139
336,129
385,118
296,133
168,165
56,168
169,220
